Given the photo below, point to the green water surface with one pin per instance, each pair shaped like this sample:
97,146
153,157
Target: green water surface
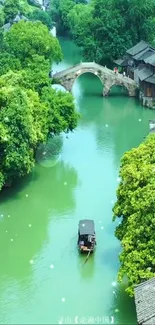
43,279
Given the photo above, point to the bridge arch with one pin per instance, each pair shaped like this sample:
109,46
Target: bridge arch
125,86
107,77
88,71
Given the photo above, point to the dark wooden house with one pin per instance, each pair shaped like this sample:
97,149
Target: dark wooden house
145,302
134,56
147,79
139,64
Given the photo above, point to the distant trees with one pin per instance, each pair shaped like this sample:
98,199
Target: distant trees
136,209
42,16
105,29
10,9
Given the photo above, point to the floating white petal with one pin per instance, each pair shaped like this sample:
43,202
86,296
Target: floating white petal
11,239
116,310
102,227
26,195
52,266
63,299
65,183
113,292
106,125
31,261
83,225
30,225
112,202
139,120
6,231
118,179
2,215
114,284
8,215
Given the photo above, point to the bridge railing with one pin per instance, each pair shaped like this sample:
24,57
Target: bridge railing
67,70
90,65
79,65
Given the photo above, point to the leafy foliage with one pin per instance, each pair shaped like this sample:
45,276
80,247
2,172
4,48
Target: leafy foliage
42,16
105,29
11,8
26,119
30,110
23,117
26,39
61,107
135,206
59,10
8,62
2,17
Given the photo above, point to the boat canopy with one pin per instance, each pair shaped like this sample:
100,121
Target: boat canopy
86,227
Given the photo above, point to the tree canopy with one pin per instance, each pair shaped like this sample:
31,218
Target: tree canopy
135,207
26,119
105,29
30,110
42,16
26,39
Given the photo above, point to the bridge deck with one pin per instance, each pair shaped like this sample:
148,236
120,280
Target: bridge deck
93,66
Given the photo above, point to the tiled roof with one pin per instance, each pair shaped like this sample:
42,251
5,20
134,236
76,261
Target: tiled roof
144,54
151,79
150,59
144,73
145,302
121,62
137,48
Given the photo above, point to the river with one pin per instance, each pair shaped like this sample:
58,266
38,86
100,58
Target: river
43,279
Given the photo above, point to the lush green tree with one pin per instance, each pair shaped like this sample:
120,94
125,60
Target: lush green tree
36,73
63,116
105,29
105,36
59,10
8,62
135,207
139,18
26,39
11,9
27,119
23,118
42,16
2,17
80,17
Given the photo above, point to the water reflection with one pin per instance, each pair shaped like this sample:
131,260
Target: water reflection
123,307
59,87
118,91
24,226
86,268
112,125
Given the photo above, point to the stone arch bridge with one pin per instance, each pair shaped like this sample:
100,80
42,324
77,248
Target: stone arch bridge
108,78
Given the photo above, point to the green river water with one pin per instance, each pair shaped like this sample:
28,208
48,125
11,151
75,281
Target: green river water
43,279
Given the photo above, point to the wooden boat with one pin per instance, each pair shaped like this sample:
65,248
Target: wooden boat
86,236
